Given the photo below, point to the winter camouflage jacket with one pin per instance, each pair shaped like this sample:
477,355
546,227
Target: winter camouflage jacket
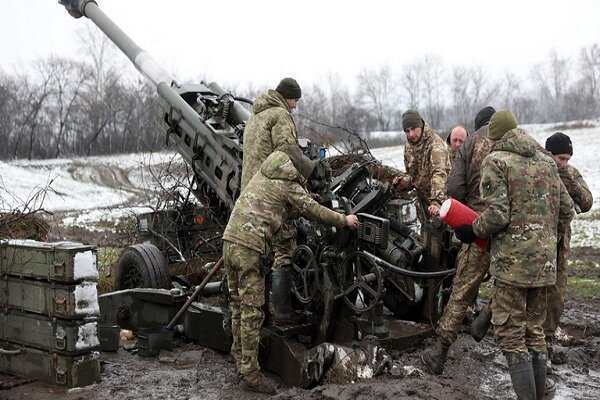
463,183
577,188
427,166
269,128
273,194
528,208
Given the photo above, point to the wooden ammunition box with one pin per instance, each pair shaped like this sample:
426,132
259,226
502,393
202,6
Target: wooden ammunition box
52,368
69,337
75,301
60,262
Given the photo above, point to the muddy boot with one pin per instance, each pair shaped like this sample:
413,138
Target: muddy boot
521,375
256,382
281,291
435,357
481,324
543,385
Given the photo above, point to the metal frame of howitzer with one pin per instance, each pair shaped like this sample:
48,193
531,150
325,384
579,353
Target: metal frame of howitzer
342,279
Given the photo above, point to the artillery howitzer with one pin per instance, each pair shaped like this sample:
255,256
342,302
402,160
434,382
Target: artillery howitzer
342,279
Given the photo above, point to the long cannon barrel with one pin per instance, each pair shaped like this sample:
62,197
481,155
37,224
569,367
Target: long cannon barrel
204,122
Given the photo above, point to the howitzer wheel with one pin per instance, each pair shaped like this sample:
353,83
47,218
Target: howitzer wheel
142,266
305,274
363,282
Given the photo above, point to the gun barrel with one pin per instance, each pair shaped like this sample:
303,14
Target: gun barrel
201,146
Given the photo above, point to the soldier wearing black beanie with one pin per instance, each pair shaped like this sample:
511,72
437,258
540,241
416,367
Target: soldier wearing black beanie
559,143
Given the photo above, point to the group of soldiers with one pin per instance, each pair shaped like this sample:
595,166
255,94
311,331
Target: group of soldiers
525,196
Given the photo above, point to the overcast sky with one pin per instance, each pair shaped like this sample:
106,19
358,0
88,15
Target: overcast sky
259,42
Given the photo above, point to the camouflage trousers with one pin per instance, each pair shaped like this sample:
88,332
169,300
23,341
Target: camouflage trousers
556,292
284,244
246,298
472,264
518,315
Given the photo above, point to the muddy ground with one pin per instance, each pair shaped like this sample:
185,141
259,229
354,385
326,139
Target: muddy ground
474,370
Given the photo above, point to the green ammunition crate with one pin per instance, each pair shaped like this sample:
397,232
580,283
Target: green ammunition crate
53,368
62,336
74,301
61,262
109,337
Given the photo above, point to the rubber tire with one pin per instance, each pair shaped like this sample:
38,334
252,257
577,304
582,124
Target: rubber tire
146,263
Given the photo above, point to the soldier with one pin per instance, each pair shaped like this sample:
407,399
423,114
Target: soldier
472,261
274,192
426,163
455,139
561,148
528,208
271,127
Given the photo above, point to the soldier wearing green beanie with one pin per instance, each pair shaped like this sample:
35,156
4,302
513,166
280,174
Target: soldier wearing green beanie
426,162
270,128
501,122
527,211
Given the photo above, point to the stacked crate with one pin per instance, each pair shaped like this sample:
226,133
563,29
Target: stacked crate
49,312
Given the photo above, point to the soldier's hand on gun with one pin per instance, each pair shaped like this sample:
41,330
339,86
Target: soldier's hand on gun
433,210
352,221
401,183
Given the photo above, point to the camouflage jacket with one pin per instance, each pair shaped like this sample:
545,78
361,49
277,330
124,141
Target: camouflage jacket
463,183
273,194
427,166
528,208
577,188
270,127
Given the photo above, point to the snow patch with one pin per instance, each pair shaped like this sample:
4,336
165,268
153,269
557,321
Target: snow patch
86,299
85,266
87,336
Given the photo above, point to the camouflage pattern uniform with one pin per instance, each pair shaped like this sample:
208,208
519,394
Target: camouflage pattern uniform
582,197
270,127
472,262
528,209
427,167
271,195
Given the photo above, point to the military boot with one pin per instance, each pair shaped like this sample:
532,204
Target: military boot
544,386
281,291
256,382
435,357
521,375
481,324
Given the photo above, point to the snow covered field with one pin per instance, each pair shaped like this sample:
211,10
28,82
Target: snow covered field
90,189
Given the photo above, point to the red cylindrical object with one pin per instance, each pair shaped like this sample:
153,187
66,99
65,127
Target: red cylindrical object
455,214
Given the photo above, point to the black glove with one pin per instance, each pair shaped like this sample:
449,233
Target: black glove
465,233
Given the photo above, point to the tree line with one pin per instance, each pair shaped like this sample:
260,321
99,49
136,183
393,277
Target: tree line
61,107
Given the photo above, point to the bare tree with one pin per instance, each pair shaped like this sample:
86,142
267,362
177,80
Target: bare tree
432,75
589,65
378,90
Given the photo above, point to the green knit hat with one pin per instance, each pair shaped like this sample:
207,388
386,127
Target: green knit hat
302,163
412,119
289,88
501,122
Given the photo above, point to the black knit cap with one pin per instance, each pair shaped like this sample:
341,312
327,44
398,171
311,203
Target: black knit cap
559,143
483,116
289,88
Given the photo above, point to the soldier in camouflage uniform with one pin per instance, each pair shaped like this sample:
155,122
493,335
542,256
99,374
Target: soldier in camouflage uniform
528,209
472,262
271,127
269,198
561,148
455,140
426,163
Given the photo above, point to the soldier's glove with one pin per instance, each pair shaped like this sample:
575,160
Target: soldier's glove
465,233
